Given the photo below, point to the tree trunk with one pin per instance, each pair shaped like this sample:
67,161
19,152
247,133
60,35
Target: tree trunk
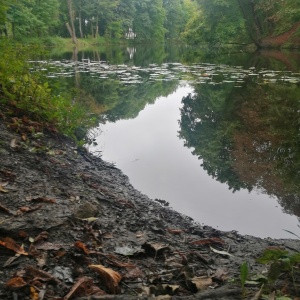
252,25
71,28
97,27
80,25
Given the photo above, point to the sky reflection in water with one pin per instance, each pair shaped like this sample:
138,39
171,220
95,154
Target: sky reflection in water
148,150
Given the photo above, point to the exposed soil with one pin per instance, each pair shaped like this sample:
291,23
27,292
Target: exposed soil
73,227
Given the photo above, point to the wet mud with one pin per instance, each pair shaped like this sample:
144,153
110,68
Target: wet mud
73,227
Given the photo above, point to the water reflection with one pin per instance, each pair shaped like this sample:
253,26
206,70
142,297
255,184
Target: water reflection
248,137
240,118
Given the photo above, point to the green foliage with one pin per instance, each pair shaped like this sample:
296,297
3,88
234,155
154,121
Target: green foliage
32,17
271,255
30,93
280,261
244,269
215,21
243,21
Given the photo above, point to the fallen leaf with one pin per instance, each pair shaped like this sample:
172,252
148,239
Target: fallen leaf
257,296
11,260
2,190
42,199
208,241
134,273
120,264
42,236
6,210
109,276
156,247
140,234
9,243
82,247
26,209
107,236
60,253
175,231
39,274
129,251
47,246
170,289
220,252
13,143
91,219
42,260
221,274
33,251
201,283
81,283
33,294
63,273
15,283
272,296
23,234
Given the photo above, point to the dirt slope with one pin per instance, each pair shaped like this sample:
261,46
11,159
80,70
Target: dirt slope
72,227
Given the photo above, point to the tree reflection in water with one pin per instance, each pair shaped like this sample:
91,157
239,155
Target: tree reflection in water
247,137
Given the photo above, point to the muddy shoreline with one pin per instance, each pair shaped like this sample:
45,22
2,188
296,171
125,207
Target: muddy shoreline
63,211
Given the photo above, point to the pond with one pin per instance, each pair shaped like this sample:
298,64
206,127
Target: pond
214,133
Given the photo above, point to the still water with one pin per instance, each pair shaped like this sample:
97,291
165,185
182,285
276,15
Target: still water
215,136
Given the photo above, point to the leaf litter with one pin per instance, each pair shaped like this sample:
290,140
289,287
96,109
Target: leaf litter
82,241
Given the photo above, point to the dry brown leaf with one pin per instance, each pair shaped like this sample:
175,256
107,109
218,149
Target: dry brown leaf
6,210
175,231
139,234
60,253
9,243
221,274
209,241
202,283
43,199
23,234
15,283
41,245
120,264
82,247
170,289
39,274
2,190
134,273
257,296
42,236
26,209
109,276
156,246
107,236
33,294
81,283
33,251
11,260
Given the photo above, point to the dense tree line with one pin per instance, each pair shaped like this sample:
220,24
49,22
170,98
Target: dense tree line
270,23
266,23
143,19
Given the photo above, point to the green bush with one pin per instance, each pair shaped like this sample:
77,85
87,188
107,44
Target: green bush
30,92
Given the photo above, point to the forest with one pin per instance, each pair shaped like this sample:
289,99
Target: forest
272,23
